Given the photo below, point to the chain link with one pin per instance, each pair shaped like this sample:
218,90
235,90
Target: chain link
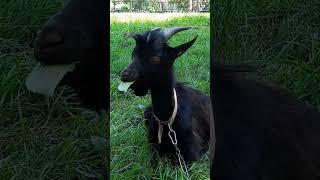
180,157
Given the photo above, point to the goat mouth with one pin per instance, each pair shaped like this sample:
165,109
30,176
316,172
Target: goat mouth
138,86
54,57
124,86
44,79
50,48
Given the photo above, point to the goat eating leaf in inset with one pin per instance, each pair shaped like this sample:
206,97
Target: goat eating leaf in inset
185,108
71,48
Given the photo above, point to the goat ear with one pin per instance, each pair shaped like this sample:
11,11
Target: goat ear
179,50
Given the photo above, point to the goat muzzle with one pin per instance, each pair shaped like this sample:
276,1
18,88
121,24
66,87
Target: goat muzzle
129,74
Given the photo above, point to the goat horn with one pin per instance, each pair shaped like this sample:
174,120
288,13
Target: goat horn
154,29
169,32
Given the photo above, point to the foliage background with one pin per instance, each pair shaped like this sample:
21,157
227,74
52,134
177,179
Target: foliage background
159,5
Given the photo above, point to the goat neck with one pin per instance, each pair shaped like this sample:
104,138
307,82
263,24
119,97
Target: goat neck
162,96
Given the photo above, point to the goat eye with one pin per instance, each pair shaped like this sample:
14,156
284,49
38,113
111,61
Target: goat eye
155,60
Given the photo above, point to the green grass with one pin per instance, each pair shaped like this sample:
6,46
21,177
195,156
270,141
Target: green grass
281,36
130,152
41,138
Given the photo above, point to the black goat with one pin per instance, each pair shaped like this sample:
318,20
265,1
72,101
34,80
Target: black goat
261,131
78,33
152,69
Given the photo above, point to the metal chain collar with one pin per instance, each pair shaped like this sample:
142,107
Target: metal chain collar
172,135
180,157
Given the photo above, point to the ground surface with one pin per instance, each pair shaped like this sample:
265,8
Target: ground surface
41,138
130,152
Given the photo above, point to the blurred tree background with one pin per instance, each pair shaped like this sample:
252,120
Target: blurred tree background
159,6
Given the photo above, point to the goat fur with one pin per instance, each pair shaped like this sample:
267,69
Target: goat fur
262,132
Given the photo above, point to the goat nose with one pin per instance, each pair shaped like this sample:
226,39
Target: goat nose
47,38
127,75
